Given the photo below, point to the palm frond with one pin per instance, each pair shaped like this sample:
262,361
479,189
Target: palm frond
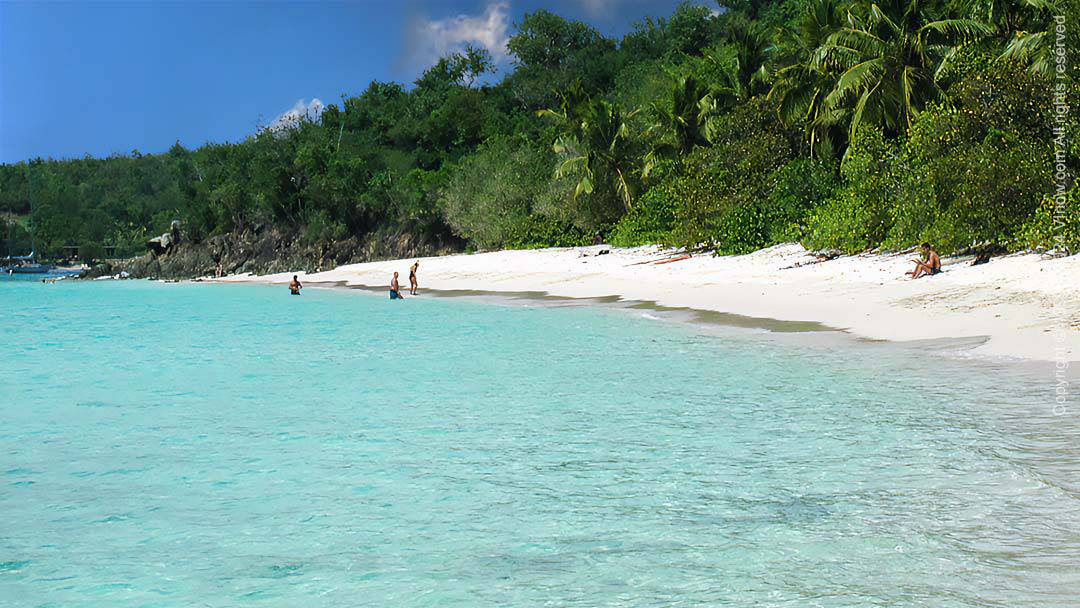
1033,50
861,41
968,29
856,79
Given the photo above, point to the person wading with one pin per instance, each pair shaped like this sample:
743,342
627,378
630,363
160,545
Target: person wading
412,278
395,289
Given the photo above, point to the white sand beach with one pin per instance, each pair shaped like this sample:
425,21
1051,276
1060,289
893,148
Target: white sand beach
1026,305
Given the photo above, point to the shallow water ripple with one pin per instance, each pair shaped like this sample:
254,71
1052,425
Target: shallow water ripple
180,445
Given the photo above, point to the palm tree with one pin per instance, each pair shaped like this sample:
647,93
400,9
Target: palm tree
681,126
596,149
748,74
891,53
570,114
603,155
742,76
692,103
806,76
1029,28
1007,16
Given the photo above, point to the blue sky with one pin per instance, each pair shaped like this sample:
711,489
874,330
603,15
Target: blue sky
101,78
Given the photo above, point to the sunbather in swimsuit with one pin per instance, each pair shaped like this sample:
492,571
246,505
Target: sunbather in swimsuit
929,265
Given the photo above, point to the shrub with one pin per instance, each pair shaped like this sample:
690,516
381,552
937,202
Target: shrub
321,228
721,191
858,216
490,196
981,192
1003,95
537,231
970,170
975,170
1055,225
650,221
797,189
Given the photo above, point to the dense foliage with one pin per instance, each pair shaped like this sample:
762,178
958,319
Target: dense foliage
849,124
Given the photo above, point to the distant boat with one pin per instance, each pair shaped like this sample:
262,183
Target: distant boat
26,264
30,268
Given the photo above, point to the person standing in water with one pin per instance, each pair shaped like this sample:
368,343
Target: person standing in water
295,286
412,278
395,289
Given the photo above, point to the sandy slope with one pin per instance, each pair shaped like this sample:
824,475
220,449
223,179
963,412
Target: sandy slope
1028,306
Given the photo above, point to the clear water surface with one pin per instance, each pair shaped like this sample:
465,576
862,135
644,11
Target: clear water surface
193,445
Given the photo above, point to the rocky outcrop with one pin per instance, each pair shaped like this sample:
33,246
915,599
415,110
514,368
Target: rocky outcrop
264,251
162,244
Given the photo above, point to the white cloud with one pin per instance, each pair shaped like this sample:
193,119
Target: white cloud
430,39
291,118
597,7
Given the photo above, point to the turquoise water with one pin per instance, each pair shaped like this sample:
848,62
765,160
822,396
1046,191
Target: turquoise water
194,445
55,273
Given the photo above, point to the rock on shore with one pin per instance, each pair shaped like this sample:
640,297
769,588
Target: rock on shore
263,251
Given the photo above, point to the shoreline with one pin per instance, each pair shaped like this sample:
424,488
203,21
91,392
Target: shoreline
803,333
693,315
1021,306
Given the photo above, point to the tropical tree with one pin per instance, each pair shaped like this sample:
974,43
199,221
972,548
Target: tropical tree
891,53
1030,34
681,126
747,73
750,9
805,77
1007,16
596,153
550,53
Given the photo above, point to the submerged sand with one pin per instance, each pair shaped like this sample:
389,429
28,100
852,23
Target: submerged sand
1024,306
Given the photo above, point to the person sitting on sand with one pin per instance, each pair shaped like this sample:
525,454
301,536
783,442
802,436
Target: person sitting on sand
395,290
929,265
295,286
412,278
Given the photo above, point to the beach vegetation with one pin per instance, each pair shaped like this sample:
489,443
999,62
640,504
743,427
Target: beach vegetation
843,124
